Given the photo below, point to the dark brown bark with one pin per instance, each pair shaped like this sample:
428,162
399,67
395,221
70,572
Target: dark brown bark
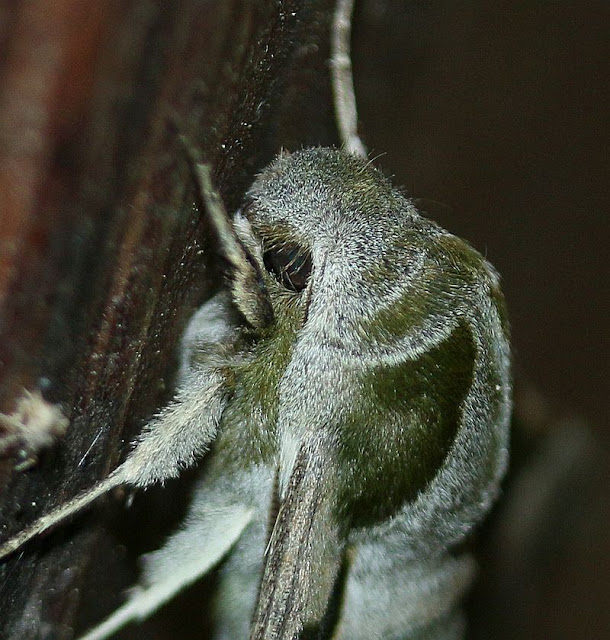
103,254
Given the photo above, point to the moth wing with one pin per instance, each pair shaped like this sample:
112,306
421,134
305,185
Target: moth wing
304,553
388,594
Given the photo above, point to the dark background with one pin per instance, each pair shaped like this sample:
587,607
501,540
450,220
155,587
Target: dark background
499,111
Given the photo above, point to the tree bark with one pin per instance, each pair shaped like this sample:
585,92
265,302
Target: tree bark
103,253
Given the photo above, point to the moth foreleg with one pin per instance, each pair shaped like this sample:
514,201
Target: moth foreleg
171,441
57,515
179,434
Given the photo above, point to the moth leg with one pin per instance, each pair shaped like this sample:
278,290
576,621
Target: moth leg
58,515
180,434
240,576
390,597
189,554
172,441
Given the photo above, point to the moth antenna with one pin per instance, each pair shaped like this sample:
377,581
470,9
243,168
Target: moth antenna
61,513
247,284
344,95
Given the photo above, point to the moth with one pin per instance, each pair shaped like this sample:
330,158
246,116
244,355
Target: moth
351,389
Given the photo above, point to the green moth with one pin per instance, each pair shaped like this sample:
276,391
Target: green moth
351,387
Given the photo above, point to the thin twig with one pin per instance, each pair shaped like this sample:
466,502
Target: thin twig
342,79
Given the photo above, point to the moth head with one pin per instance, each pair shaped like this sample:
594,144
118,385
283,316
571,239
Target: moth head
327,229
336,246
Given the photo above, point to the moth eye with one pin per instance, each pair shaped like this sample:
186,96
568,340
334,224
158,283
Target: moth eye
290,265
